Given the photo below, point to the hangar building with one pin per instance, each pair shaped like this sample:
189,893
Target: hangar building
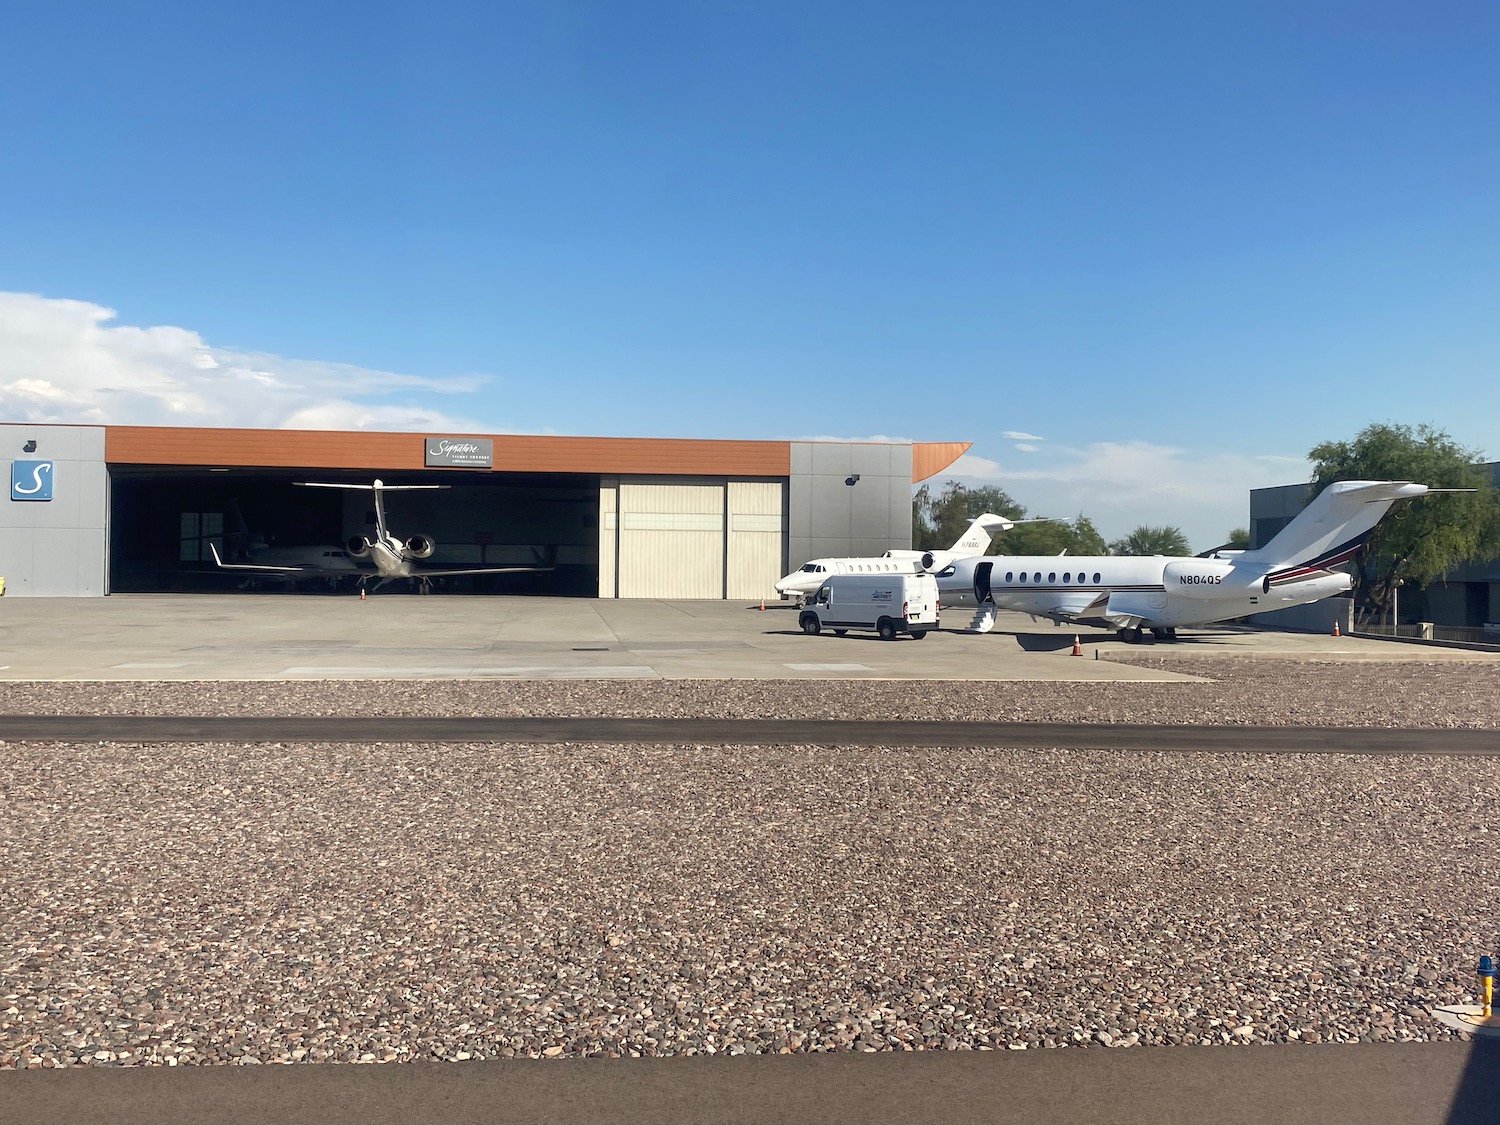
95,510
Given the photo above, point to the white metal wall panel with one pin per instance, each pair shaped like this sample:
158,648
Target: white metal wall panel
671,539
609,498
755,547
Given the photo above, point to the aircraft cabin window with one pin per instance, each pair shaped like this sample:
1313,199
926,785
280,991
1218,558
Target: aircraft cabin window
1038,577
1052,577
1023,576
1010,576
949,571
1067,577
1096,577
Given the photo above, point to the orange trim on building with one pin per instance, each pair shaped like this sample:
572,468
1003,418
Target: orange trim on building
373,450
929,458
513,453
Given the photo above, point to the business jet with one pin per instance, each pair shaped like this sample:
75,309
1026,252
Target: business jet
392,557
1163,593
328,562
805,581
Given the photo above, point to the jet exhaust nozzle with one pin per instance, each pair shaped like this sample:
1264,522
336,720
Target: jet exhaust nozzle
420,547
358,546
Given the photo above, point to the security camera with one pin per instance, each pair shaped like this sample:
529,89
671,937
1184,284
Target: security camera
29,447
852,480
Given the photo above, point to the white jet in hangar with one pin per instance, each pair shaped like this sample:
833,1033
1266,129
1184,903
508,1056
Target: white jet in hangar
803,582
393,557
1163,593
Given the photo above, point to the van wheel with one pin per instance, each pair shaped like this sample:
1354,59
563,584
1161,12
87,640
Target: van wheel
810,625
886,628
839,632
918,634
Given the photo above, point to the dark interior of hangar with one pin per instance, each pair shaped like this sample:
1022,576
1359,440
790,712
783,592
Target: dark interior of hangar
163,520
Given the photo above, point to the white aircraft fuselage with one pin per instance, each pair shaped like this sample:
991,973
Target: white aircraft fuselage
1128,592
803,582
1163,593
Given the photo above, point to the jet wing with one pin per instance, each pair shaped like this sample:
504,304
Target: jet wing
1074,607
222,565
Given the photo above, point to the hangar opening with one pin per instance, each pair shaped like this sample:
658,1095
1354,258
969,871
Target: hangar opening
166,521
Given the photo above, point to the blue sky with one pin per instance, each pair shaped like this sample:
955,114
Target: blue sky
1143,255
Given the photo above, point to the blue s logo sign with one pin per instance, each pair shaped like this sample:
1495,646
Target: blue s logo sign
31,480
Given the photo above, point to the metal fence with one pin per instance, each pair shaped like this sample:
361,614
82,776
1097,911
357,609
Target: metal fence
1427,631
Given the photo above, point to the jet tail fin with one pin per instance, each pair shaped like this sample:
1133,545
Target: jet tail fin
976,540
1332,527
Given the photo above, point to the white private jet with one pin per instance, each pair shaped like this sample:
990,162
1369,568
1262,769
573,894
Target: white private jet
1162,593
804,582
393,557
329,562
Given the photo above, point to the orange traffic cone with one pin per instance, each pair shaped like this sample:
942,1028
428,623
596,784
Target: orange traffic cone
763,605
1335,628
1077,648
361,593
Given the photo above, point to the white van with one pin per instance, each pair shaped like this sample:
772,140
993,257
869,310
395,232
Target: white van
887,603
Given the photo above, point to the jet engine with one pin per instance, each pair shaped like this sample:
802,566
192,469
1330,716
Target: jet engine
420,547
358,546
1205,578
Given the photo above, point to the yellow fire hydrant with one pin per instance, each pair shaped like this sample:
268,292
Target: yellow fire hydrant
1486,983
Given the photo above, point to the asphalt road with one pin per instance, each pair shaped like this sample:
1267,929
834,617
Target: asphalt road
1116,736
1366,1083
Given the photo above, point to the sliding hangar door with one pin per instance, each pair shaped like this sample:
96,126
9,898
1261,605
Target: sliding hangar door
675,537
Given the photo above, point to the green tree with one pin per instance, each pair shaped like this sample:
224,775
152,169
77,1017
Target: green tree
1148,540
937,521
1238,539
1077,537
1419,540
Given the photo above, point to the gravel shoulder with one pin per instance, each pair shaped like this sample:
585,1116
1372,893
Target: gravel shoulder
1230,691
222,904
215,903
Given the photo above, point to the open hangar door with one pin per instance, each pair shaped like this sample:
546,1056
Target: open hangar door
164,518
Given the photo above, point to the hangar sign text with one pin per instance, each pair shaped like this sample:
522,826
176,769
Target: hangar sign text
470,453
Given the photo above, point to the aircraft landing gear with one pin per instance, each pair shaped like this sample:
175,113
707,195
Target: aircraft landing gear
1131,636
1161,634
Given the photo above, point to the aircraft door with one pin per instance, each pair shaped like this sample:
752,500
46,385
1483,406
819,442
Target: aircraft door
982,582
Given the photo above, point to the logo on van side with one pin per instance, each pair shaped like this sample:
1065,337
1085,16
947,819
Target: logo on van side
881,596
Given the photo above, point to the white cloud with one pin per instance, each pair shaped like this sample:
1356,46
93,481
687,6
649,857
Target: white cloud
65,361
1021,435
1121,485
1027,447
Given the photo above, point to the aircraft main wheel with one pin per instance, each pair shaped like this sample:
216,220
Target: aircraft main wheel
886,628
810,625
1131,635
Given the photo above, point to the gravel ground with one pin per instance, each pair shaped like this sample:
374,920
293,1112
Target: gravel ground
217,903
1302,692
